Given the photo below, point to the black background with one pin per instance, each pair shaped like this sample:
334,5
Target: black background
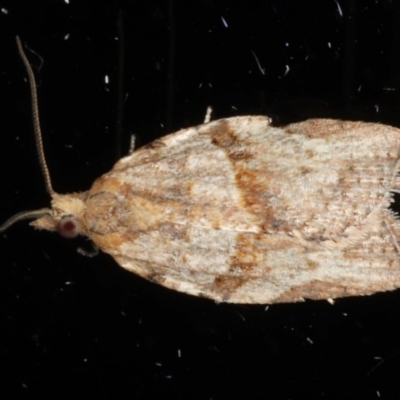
85,328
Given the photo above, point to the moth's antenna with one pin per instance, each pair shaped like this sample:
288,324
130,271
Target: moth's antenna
38,135
39,146
24,215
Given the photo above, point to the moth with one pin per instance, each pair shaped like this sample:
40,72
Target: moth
237,210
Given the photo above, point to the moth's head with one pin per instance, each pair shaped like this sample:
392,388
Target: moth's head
65,216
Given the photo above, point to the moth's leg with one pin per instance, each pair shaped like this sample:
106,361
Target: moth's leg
90,252
207,118
132,144
392,224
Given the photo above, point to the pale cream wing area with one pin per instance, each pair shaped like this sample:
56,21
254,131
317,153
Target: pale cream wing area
239,211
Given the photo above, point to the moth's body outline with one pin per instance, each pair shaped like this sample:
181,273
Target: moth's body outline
240,211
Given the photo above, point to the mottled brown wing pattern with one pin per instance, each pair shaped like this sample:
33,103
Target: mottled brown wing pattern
240,211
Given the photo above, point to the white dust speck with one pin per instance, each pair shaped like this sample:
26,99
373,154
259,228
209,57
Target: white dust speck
69,283
378,394
287,44
158,364
287,69
179,353
66,1
377,108
224,21
266,308
258,63
330,45
310,341
339,8
208,84
241,316
4,11
66,37
359,88
106,80
389,89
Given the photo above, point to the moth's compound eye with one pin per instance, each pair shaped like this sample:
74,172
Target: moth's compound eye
68,227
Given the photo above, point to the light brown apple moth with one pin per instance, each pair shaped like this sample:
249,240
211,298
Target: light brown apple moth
240,211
